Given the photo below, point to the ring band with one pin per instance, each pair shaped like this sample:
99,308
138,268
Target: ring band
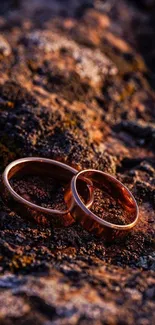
114,189
43,167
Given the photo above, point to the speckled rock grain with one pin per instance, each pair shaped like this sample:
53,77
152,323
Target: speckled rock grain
76,85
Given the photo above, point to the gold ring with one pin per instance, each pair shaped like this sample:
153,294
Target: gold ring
43,167
116,190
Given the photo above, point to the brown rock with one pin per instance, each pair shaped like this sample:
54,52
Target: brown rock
76,85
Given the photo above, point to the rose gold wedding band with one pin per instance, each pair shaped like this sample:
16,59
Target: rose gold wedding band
115,189
42,167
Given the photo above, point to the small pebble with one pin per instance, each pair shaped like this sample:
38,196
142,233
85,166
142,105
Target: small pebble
5,48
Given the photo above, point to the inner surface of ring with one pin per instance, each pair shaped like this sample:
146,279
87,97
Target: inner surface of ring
40,168
112,201
44,183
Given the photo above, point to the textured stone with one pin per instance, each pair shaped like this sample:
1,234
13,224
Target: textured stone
76,86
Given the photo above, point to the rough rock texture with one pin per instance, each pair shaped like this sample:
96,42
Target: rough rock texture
77,85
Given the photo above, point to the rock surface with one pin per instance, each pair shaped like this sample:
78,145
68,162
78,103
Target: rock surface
77,85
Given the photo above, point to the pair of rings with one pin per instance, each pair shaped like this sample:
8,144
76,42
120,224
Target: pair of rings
78,195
